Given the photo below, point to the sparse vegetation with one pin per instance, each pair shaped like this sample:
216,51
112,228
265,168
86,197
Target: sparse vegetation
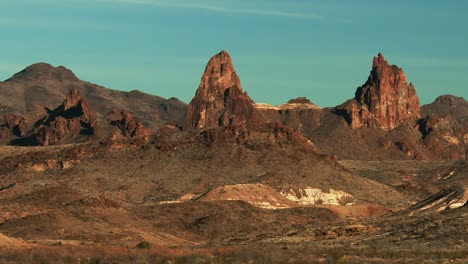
143,245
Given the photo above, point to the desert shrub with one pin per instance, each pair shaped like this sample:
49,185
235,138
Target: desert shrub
144,245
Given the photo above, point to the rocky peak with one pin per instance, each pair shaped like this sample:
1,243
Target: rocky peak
219,100
44,71
379,61
220,72
450,100
385,101
457,107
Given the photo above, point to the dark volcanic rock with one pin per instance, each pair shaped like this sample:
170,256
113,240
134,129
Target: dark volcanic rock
126,125
219,100
385,101
70,121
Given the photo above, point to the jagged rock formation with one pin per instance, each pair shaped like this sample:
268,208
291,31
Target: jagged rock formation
219,100
126,125
385,101
42,85
70,121
383,104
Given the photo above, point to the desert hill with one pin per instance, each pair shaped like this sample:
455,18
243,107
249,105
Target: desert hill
457,107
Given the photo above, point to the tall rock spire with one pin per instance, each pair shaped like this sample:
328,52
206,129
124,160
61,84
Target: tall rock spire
386,100
219,100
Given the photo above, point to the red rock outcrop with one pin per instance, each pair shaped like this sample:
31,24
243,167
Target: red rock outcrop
385,101
219,100
126,125
70,121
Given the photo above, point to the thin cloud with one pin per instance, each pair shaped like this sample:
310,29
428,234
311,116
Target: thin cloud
50,23
222,9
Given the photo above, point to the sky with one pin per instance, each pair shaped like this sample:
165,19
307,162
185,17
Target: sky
282,49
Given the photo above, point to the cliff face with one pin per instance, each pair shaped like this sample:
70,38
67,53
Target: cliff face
219,100
385,101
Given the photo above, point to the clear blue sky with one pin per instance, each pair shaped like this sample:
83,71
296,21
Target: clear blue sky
281,48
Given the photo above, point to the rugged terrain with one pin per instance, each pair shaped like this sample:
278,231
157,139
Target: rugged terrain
28,96
91,175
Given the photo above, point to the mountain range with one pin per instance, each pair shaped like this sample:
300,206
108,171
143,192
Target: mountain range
383,121
94,175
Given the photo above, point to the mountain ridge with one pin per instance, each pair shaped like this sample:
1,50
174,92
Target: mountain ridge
385,106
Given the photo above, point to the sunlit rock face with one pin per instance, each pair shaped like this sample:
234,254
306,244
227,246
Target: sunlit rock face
385,101
219,100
